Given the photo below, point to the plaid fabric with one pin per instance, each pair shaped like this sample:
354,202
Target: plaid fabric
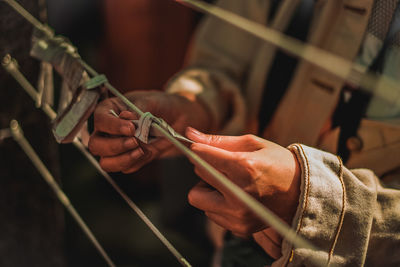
382,46
379,25
381,18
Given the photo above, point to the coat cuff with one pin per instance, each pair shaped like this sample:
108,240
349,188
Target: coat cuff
319,216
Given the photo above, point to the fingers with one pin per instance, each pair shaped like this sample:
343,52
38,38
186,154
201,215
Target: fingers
139,163
209,179
105,122
226,214
245,143
150,152
103,146
128,115
239,229
122,162
221,159
270,241
133,160
206,198
228,163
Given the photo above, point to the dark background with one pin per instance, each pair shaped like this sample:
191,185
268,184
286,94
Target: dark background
138,44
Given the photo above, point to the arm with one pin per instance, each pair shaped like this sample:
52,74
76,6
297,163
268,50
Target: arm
347,214
113,139
219,60
205,95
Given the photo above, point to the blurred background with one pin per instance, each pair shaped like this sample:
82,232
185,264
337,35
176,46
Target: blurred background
139,45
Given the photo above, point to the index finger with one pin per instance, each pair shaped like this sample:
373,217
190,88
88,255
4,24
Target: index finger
224,161
221,159
106,122
244,143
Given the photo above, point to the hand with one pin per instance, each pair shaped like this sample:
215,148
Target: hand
113,139
265,170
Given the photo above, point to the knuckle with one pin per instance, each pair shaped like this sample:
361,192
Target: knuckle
125,165
250,138
99,106
102,106
104,165
128,171
241,214
214,139
249,164
144,155
237,228
245,161
97,118
198,172
244,229
92,145
212,218
115,147
253,141
191,198
241,158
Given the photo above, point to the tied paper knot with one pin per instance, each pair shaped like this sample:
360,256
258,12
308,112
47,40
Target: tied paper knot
143,127
146,134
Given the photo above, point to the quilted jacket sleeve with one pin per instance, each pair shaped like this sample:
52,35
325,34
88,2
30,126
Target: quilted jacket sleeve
348,214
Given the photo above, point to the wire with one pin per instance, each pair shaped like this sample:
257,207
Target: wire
252,204
11,66
338,66
27,148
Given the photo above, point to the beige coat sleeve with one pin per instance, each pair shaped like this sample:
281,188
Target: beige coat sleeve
219,60
347,214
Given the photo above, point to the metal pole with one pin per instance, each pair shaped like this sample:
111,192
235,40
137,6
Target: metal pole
27,148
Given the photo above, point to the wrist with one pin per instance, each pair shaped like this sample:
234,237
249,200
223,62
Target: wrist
293,191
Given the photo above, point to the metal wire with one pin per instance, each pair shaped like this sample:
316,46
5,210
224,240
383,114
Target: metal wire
131,204
36,23
252,204
27,148
260,210
338,66
12,68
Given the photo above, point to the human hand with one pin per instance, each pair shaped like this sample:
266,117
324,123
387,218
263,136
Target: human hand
268,172
113,139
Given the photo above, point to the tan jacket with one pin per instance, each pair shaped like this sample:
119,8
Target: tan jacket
228,73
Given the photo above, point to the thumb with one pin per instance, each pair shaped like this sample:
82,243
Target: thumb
244,143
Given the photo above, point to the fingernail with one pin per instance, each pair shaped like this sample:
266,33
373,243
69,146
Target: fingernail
137,153
127,115
127,130
193,147
193,131
130,143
